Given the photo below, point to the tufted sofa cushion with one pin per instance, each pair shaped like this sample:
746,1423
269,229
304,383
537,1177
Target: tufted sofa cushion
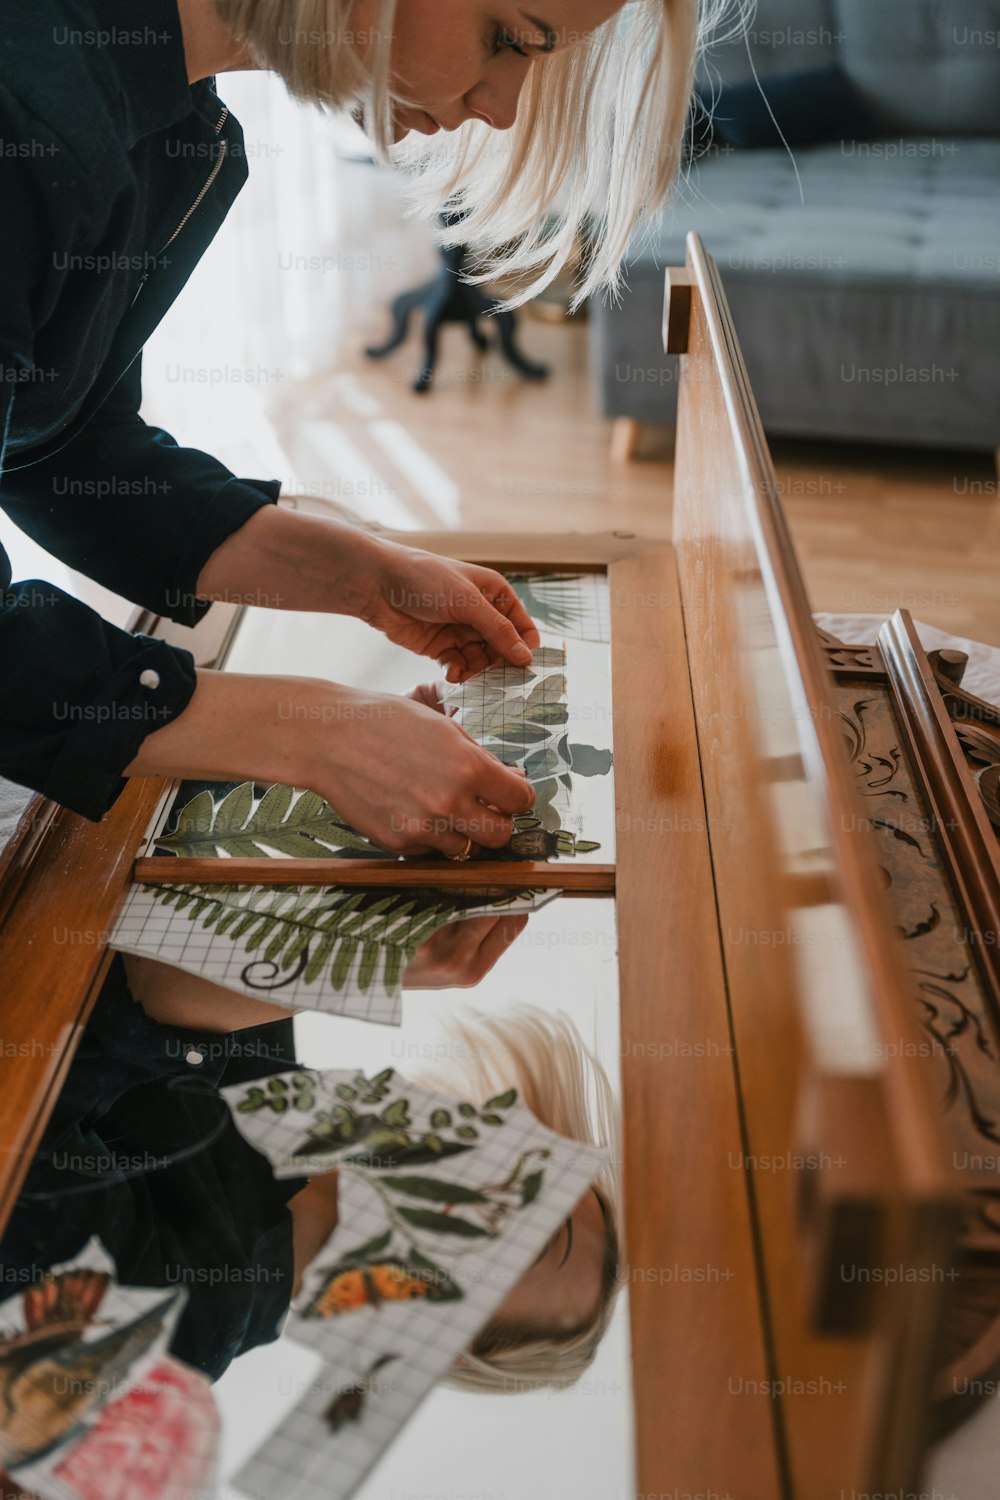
870,310
883,210
929,65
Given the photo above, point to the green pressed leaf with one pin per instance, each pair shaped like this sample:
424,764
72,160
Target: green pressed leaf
467,1132
396,959
502,1101
467,1110
434,1190
397,1113
265,926
448,1224
343,960
274,805
368,966
197,815
491,1119
318,1145
440,1119
406,1156
319,957
234,809
545,693
548,713
520,733
370,1248
542,763
531,1187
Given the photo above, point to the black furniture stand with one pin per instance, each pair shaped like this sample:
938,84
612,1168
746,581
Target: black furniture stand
449,299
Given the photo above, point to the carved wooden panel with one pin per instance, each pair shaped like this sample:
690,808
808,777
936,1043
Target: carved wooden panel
950,991
953,985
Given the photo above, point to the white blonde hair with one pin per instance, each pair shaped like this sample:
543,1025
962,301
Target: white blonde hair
594,152
564,1085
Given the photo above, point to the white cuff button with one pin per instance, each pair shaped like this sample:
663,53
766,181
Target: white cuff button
194,1058
149,678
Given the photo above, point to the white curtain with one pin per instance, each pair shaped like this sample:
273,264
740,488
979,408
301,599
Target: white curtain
314,249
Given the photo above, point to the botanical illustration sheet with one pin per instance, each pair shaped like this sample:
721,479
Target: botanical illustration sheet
92,1406
343,951
569,604
553,719
527,718
443,1206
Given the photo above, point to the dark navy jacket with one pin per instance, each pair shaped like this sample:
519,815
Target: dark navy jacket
115,174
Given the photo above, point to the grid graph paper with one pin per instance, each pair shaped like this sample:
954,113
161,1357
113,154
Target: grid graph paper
344,952
519,714
395,1352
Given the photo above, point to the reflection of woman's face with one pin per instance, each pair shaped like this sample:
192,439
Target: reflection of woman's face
561,1291
459,60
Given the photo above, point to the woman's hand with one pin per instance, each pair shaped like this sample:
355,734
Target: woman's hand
411,779
463,953
463,616
403,774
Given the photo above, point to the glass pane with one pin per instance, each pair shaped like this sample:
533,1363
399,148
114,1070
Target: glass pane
138,1154
554,721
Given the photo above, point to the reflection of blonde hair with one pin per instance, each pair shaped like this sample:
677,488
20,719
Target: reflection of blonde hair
594,151
562,1083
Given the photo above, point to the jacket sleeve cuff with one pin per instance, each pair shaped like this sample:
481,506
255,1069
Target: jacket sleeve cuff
145,693
231,507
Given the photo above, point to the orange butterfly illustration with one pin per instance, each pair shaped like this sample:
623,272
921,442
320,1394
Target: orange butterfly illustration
348,1287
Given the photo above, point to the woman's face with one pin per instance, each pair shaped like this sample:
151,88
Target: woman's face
563,1287
458,60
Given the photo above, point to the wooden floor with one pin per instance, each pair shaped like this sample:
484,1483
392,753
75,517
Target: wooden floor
876,528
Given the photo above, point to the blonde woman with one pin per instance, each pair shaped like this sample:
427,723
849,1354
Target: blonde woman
118,164
551,1321
548,1328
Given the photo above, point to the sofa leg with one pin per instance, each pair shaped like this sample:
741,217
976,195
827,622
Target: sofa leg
624,439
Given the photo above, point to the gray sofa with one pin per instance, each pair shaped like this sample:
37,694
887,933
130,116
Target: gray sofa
870,311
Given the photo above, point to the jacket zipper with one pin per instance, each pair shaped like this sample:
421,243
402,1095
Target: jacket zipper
217,168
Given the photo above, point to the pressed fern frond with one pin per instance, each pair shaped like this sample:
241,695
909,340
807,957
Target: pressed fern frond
303,828
333,934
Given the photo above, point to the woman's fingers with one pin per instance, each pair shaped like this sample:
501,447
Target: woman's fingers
504,598
502,932
505,788
498,617
428,695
